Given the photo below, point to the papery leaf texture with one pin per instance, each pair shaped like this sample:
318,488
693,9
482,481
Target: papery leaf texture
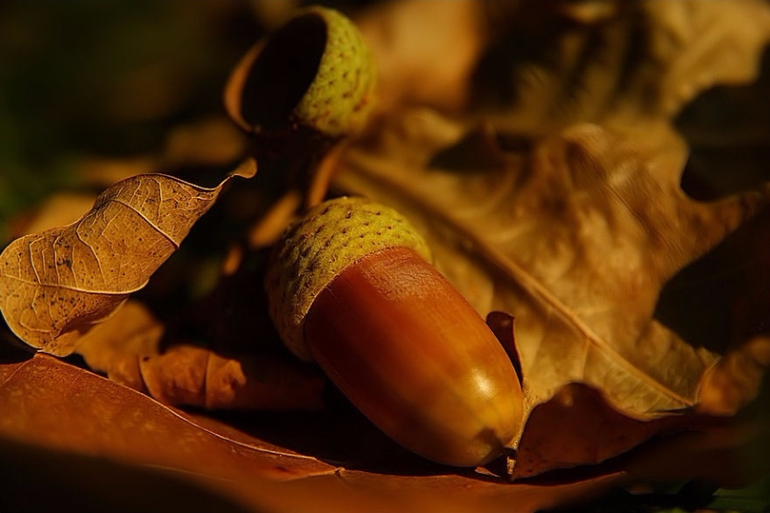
576,239
555,196
128,348
533,144
58,283
44,407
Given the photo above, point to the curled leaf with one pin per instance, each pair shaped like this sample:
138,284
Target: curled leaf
57,283
43,407
578,427
128,348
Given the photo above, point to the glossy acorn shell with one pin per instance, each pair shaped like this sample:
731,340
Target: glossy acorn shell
402,344
393,334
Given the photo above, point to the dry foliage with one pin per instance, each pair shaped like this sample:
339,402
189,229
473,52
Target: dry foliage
545,172
55,284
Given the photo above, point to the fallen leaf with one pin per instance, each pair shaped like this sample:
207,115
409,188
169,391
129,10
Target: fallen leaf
36,479
55,414
425,63
731,384
117,346
128,348
57,284
54,405
619,66
573,227
576,239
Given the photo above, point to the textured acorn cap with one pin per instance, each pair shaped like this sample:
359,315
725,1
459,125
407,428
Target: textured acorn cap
316,248
316,72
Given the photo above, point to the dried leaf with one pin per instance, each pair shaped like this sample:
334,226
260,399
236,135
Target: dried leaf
62,410
194,376
128,348
576,239
589,431
118,345
575,227
420,62
56,284
731,384
41,400
42,404
622,65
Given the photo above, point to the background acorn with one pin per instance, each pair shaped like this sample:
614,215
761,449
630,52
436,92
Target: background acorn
314,73
302,93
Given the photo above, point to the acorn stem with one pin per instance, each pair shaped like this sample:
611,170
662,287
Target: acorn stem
301,92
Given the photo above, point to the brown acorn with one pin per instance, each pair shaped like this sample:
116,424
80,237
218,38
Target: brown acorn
351,287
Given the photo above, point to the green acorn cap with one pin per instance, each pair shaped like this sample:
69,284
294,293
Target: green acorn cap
314,72
317,247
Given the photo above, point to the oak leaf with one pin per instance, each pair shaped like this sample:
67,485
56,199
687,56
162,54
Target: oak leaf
564,206
42,397
58,283
618,64
576,239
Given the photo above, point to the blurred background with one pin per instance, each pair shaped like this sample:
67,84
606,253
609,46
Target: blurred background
88,80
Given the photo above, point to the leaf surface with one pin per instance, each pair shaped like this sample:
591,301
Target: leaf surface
576,240
76,418
572,227
565,208
128,347
57,283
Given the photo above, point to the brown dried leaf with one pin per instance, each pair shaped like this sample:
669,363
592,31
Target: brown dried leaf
55,414
612,63
575,238
421,62
127,347
43,402
620,65
734,381
576,228
54,285
194,376
117,346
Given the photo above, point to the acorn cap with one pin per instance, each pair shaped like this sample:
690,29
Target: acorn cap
314,72
316,248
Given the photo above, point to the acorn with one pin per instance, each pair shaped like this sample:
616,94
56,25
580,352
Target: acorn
350,287
315,73
302,93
